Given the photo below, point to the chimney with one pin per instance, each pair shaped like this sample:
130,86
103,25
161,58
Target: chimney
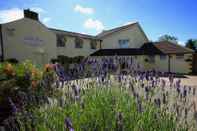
31,14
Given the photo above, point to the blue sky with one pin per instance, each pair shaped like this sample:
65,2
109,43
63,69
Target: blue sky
157,17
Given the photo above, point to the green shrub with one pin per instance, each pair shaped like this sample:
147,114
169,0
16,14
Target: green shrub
12,60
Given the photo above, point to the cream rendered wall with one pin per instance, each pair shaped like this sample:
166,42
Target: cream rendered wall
135,35
161,64
70,50
177,65
180,65
15,46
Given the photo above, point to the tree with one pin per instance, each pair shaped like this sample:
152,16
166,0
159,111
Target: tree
192,44
168,38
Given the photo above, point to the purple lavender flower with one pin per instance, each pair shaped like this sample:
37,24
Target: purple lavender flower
195,115
139,105
68,124
76,90
14,109
119,121
178,83
184,92
189,89
186,113
146,89
164,98
194,91
163,83
157,102
178,90
177,110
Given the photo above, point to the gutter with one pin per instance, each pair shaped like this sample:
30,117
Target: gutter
2,47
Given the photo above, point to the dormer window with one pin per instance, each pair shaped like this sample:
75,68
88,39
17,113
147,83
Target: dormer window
78,42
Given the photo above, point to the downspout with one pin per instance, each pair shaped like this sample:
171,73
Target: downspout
169,63
100,44
1,40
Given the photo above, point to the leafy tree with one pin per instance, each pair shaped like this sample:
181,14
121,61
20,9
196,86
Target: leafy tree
192,44
168,38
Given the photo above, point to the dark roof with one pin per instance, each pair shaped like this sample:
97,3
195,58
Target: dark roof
171,48
74,34
151,48
108,32
112,52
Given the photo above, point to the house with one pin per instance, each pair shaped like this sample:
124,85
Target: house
74,44
127,36
28,38
161,56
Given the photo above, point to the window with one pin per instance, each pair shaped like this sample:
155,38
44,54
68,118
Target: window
162,57
151,58
61,40
93,44
179,56
78,43
124,43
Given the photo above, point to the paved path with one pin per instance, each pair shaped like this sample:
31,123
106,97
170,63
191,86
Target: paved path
188,80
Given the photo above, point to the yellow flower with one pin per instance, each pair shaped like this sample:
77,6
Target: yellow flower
9,70
34,72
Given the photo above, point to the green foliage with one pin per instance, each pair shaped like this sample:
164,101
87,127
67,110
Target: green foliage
168,38
99,110
19,77
192,44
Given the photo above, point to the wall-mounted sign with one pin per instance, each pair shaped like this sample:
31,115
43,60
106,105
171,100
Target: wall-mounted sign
10,31
33,40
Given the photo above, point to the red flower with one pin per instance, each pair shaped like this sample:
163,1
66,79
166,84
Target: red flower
34,84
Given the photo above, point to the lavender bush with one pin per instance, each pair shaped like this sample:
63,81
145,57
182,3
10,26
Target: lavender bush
106,108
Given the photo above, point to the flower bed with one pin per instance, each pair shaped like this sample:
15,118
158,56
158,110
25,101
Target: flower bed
138,101
24,85
100,109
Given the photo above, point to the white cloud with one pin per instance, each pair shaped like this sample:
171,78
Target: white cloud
9,15
83,10
46,19
94,24
181,43
38,9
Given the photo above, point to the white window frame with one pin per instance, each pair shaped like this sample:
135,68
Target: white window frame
122,43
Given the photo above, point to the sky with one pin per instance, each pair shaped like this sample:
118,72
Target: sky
156,17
